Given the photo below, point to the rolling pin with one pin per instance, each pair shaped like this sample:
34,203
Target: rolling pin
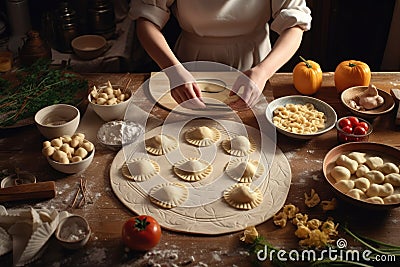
396,96
41,190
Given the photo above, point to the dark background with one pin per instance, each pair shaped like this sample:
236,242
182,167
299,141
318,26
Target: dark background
341,30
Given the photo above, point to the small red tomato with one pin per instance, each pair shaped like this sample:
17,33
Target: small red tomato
363,125
354,121
141,233
359,130
348,129
344,122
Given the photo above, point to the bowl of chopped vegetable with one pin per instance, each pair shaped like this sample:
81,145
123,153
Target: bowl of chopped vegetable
301,117
57,120
109,101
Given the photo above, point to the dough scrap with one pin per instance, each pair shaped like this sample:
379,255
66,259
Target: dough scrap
140,169
192,169
169,195
239,146
244,171
160,144
242,196
202,136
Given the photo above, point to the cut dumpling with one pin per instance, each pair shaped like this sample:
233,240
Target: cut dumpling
239,146
374,162
160,144
340,173
241,196
388,168
358,156
202,136
244,171
169,195
192,169
140,169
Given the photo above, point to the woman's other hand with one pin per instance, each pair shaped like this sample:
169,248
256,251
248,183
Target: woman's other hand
248,87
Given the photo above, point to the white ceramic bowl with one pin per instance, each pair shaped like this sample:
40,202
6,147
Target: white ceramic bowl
299,99
352,92
89,46
115,134
73,232
111,112
57,120
73,167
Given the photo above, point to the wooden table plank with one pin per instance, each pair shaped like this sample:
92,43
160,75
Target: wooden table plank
21,148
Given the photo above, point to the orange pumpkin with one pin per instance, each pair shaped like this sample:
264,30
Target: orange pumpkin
351,73
307,77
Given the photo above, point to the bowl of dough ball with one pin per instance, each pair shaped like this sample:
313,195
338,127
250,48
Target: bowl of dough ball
367,102
364,174
301,117
69,154
353,129
109,101
115,134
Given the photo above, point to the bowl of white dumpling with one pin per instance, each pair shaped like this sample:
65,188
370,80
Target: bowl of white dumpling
109,101
69,154
365,174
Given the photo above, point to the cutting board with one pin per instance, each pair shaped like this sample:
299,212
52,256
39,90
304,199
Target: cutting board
160,92
205,211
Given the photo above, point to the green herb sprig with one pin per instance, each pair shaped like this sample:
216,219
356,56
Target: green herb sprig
37,86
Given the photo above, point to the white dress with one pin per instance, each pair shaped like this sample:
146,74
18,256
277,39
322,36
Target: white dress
233,32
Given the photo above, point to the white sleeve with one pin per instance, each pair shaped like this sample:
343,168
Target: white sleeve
156,11
289,13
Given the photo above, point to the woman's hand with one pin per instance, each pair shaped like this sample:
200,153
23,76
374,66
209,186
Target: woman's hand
249,88
184,88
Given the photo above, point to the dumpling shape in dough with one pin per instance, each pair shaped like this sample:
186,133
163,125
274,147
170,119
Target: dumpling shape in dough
192,169
358,156
202,136
239,146
140,169
362,183
244,171
241,196
169,195
160,144
340,173
374,162
375,200
375,176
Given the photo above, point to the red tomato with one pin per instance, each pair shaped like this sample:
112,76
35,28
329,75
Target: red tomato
359,130
363,125
354,121
141,233
344,122
348,129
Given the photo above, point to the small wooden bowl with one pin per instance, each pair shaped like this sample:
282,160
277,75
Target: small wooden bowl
386,152
352,92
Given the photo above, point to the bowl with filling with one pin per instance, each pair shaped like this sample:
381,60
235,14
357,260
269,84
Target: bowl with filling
367,102
117,133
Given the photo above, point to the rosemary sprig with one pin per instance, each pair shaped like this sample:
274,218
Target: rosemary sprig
35,87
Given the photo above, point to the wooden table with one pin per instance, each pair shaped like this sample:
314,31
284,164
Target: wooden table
22,148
